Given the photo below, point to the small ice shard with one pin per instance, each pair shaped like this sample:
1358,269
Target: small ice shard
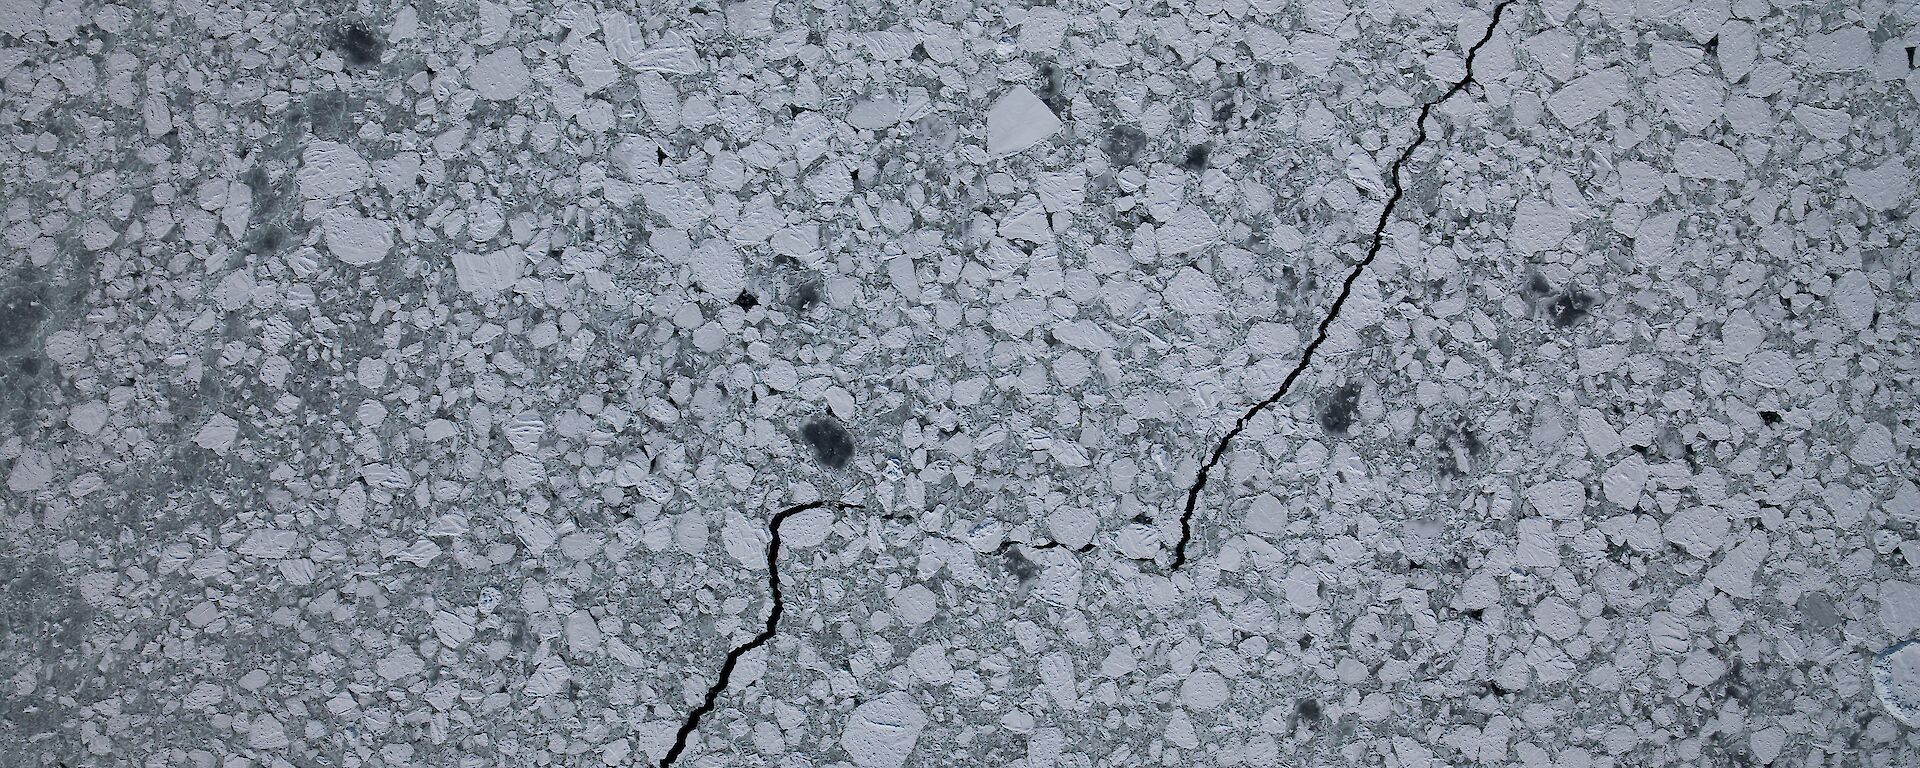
1017,121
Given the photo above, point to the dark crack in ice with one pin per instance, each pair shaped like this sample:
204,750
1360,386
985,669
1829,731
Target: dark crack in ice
1346,290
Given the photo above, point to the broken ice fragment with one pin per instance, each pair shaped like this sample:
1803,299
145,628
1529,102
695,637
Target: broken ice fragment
1699,159
916,605
485,274
1026,220
1900,607
1139,541
807,528
1558,499
330,169
718,268
1267,515
1883,187
1188,229
1194,293
1896,681
673,53
1017,121
874,114
500,75
1204,689
218,433
355,239
882,733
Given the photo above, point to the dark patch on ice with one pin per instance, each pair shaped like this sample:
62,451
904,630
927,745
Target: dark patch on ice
1124,144
1339,409
832,444
359,47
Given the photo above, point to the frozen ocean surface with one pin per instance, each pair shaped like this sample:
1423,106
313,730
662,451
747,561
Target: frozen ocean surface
853,384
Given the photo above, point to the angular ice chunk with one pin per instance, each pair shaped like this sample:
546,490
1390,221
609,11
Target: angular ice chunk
1017,121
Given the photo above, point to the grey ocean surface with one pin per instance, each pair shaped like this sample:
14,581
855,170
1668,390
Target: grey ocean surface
828,384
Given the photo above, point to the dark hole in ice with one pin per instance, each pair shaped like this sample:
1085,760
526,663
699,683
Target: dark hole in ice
256,180
270,238
1124,144
1819,610
1570,307
831,443
1537,287
1769,418
358,46
1223,108
746,300
1308,710
1339,409
1737,688
804,296
330,115
22,307
1460,446
1196,160
1049,90
1018,565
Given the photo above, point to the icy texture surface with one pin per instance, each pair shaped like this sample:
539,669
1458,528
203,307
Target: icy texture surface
856,384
